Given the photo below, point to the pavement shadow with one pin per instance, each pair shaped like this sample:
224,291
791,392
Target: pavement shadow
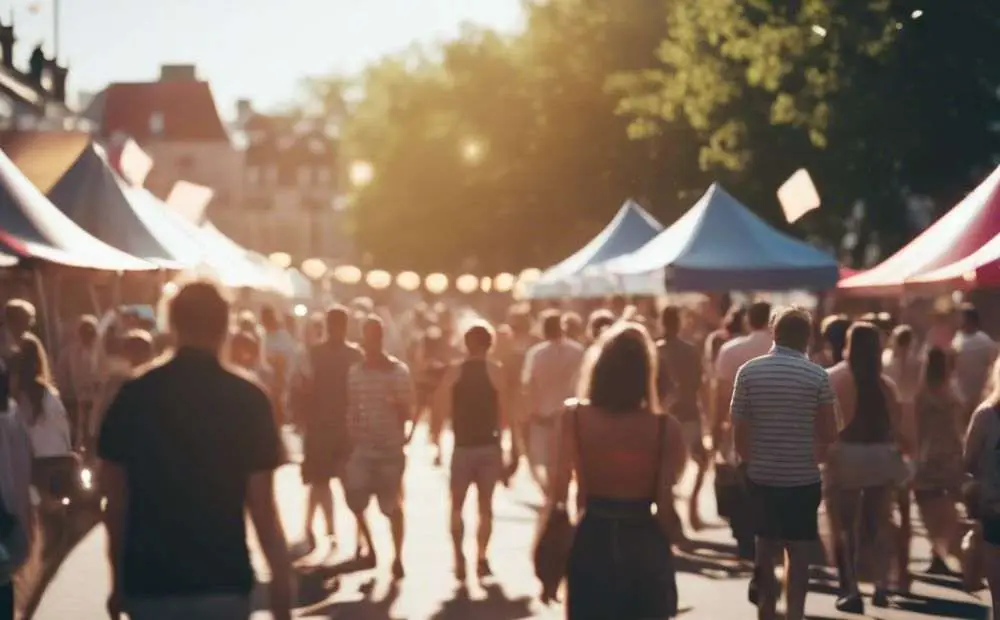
709,560
365,608
920,604
494,606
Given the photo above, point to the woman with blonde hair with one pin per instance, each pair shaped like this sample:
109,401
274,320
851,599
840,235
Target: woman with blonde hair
981,441
626,455
38,401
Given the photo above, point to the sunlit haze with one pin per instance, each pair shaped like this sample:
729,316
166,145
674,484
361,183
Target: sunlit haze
259,49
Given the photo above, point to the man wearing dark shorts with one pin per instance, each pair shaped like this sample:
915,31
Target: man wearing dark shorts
326,443
784,418
473,395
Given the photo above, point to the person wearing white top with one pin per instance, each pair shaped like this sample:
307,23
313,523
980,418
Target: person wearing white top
38,403
975,353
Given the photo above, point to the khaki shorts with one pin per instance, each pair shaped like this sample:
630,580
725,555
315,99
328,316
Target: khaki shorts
476,465
381,475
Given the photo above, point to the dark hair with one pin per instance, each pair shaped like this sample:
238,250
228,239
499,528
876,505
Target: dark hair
936,368
759,315
864,356
599,321
200,314
670,320
970,316
552,324
137,347
733,323
337,318
571,321
620,372
373,322
479,338
902,336
834,331
87,326
793,329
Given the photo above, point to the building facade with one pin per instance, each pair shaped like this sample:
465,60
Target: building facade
33,97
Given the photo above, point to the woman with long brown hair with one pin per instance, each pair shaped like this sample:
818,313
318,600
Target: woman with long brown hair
38,401
867,465
627,455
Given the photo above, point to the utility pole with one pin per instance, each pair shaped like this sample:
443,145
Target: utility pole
55,30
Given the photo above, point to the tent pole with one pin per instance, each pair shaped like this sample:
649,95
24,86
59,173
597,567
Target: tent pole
44,306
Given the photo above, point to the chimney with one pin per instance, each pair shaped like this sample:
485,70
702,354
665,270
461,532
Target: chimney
244,110
7,40
178,73
57,79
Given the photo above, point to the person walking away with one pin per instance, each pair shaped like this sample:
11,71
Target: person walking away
18,319
15,500
38,402
732,356
939,467
473,395
975,353
186,446
77,376
549,377
280,350
627,456
981,462
867,467
833,335
125,356
522,340
380,403
784,420
325,438
598,321
679,382
435,358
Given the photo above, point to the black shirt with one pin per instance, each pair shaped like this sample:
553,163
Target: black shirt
679,377
188,434
475,407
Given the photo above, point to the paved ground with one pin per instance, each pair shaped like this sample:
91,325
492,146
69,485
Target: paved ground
712,586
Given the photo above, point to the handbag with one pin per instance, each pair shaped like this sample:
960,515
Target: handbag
555,538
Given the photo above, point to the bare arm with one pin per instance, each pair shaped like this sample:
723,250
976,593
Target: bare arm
264,514
503,391
676,455
827,430
974,441
442,402
902,427
564,449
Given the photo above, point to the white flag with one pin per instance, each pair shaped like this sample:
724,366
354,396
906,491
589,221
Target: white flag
798,195
190,199
134,163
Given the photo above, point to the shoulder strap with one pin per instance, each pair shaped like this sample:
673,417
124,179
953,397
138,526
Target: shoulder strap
661,431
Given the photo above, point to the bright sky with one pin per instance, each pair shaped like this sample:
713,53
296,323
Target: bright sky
257,49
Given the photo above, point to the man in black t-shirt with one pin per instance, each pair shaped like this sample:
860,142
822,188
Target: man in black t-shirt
187,447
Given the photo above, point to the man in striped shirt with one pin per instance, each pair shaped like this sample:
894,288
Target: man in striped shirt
784,414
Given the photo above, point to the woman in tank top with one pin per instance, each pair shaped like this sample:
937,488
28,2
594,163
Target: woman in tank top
627,456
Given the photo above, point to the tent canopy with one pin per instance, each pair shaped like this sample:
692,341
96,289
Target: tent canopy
75,175
630,229
970,225
719,245
979,269
32,227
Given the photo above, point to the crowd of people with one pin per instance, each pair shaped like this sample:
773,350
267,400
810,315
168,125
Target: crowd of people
855,414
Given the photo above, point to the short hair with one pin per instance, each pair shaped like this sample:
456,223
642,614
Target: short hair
337,318
199,313
733,323
600,320
902,336
759,315
373,322
970,315
793,329
670,320
571,321
479,337
552,324
137,346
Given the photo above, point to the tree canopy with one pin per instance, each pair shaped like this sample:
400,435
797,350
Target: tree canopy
497,152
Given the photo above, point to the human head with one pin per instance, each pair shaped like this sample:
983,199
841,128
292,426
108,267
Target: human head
269,319
86,330
479,339
246,321
19,315
244,349
552,325
337,318
759,316
834,332
936,369
670,321
199,316
519,319
793,329
572,326
620,370
864,349
902,338
600,320
372,335
137,347
735,320
970,318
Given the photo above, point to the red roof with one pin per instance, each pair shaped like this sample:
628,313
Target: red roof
187,107
959,233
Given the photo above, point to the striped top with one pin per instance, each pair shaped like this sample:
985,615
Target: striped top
778,395
378,402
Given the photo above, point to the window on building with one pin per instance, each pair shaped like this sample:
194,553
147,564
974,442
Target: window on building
156,123
305,176
253,175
